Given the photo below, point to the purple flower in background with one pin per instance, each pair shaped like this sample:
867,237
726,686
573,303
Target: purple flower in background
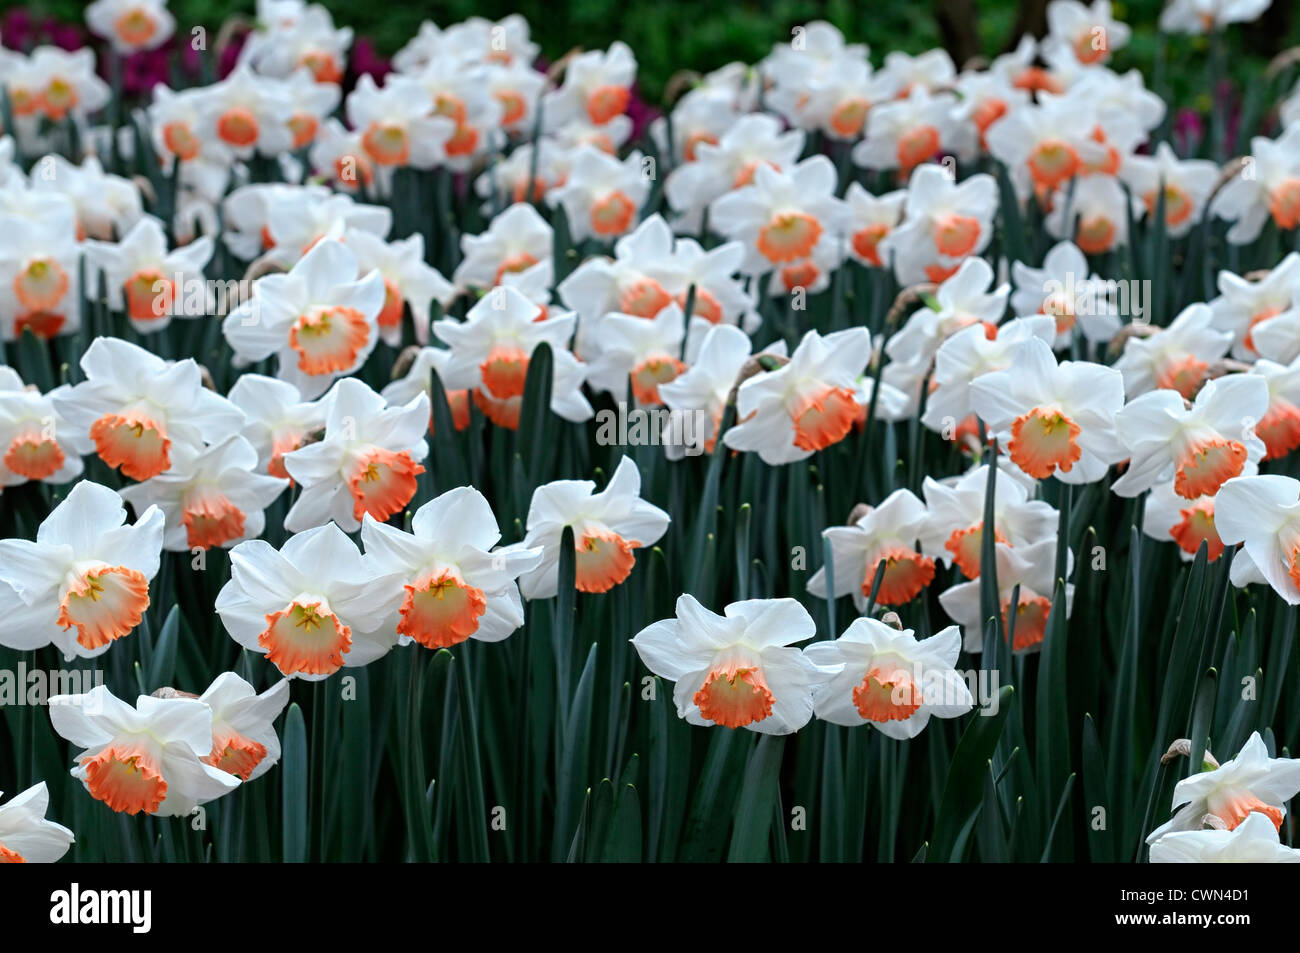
21,32
366,60
1189,130
144,70
641,113
230,55
65,35
17,30
1230,103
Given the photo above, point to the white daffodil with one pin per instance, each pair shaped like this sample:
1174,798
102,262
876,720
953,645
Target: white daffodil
84,582
602,195
889,679
715,363
149,283
26,837
954,529
1055,419
366,461
943,222
1253,841
1201,446
885,534
277,419
780,216
131,25
644,354
1031,568
1263,513
457,583
407,281
1252,782
966,356
211,496
516,240
806,405
607,527
244,742
1176,357
1267,186
960,301
1187,184
137,407
1209,16
36,443
1245,305
319,319
311,607
491,350
146,758
1064,289
739,669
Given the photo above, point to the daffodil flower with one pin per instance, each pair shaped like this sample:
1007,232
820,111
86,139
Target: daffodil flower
244,742
136,406
311,607
366,461
1253,841
84,583
889,679
885,534
458,584
211,496
142,759
608,526
1201,446
1055,419
26,837
739,669
1252,782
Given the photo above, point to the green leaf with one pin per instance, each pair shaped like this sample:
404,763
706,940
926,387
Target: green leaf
705,831
623,844
163,663
293,766
963,793
1202,718
477,834
1056,820
758,796
1096,790
535,444
574,758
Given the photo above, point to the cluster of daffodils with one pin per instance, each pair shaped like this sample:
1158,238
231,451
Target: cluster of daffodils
172,751
741,669
166,755
685,259
1231,813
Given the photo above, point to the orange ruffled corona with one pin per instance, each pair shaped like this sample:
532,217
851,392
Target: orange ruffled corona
824,419
126,779
441,611
305,640
604,559
382,483
887,695
235,754
1207,466
329,340
906,574
104,604
734,696
1044,440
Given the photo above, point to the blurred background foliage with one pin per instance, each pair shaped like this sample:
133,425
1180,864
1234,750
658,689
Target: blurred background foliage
669,35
